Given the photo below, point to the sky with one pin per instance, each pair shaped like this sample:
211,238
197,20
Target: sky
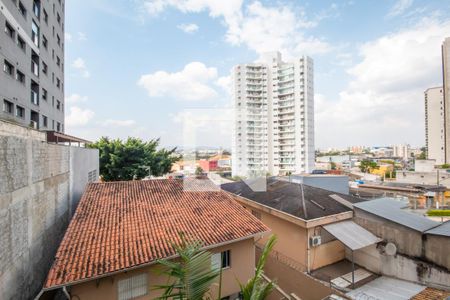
161,68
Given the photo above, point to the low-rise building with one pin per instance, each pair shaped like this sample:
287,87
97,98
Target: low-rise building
121,229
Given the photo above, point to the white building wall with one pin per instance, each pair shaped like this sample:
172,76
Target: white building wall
435,124
274,116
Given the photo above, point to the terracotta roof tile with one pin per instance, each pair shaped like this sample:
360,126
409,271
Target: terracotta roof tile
432,294
119,225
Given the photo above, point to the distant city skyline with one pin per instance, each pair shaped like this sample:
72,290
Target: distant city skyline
134,67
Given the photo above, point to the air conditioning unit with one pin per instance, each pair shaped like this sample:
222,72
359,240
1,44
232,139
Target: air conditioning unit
315,241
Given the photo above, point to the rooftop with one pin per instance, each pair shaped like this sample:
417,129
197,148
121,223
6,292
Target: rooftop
122,225
287,197
392,210
442,229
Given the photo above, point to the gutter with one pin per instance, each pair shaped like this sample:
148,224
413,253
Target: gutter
64,286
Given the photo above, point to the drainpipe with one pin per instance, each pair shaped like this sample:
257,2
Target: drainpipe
308,250
64,289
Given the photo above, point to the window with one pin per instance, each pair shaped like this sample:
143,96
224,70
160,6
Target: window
20,112
20,77
58,61
222,259
58,18
8,107
37,8
58,104
44,94
35,33
22,9
8,68
44,121
58,40
21,43
132,287
92,176
35,63
44,68
58,83
58,126
34,93
9,30
45,16
44,42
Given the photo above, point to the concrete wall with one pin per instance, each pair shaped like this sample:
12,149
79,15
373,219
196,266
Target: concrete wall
430,178
242,257
83,161
408,241
437,250
35,206
401,266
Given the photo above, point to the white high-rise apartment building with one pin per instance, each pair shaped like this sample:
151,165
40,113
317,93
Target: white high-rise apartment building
401,151
435,124
274,116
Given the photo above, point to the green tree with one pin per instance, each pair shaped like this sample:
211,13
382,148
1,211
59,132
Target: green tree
257,288
366,165
333,165
198,171
423,154
133,158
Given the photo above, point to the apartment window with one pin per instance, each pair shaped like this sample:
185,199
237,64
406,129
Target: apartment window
222,259
132,287
58,83
53,124
58,40
8,68
20,77
34,63
58,104
44,68
8,107
20,112
37,8
45,16
58,18
44,121
9,30
92,176
44,42
44,94
34,93
35,33
22,9
21,43
58,126
58,61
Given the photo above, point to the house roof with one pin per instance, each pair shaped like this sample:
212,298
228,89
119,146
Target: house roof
390,209
287,197
431,294
122,225
351,234
442,229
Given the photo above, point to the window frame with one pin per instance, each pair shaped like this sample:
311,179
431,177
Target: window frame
130,285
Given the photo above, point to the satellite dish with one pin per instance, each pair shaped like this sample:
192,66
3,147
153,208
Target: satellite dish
390,249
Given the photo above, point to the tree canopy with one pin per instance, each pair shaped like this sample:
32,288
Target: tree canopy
366,165
133,158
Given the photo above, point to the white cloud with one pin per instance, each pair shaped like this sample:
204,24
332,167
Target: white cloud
384,100
191,83
118,123
261,28
67,37
188,28
75,98
81,36
80,65
78,116
225,82
400,7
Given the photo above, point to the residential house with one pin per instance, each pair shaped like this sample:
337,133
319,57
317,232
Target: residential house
121,229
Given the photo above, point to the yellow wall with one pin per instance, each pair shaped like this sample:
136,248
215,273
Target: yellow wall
242,268
383,169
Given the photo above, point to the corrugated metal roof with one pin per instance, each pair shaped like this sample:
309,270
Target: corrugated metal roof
384,288
391,210
443,229
351,234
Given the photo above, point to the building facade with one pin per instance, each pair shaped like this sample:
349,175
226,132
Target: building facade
274,116
435,125
446,94
402,151
32,55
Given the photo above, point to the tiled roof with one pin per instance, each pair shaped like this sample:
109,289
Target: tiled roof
287,197
119,225
431,294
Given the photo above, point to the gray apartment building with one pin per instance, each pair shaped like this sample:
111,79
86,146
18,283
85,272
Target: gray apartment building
32,55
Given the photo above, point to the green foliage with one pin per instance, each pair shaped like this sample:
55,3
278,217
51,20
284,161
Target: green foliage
423,154
392,174
439,213
366,165
257,288
333,165
444,166
133,158
198,171
190,277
